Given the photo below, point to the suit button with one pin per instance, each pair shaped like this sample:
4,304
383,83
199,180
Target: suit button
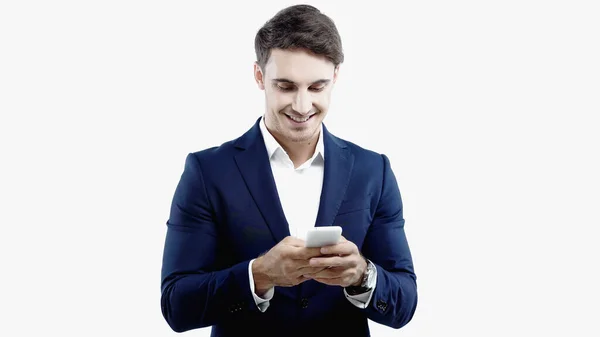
381,305
236,307
304,303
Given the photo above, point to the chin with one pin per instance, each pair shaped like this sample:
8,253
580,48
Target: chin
296,135
299,138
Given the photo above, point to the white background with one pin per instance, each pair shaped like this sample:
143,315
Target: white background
487,111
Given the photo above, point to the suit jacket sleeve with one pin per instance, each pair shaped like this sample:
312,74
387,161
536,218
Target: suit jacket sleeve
395,298
194,293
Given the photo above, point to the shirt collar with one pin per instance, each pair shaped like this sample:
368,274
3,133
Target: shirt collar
272,145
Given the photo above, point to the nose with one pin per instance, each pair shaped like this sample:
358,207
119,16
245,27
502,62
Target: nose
302,102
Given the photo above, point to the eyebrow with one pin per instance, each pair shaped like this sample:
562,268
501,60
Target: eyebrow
285,80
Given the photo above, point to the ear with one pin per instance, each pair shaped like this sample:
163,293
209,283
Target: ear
258,76
335,73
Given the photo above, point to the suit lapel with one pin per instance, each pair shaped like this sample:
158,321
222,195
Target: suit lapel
255,168
339,162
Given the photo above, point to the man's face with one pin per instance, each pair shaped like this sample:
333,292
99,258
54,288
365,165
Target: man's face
297,88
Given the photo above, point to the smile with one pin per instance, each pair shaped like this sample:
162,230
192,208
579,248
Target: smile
300,120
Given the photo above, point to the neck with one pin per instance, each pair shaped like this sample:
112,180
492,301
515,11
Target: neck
299,152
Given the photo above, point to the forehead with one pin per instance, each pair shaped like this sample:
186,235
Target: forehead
298,66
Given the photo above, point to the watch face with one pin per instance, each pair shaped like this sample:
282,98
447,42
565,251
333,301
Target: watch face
369,276
365,279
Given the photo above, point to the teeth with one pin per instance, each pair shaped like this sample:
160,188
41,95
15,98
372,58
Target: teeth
298,119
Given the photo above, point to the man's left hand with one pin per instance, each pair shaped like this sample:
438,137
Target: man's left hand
343,262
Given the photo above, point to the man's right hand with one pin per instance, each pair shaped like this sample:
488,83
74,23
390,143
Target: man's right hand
284,265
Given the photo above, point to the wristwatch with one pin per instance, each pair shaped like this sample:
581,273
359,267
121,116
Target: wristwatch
367,281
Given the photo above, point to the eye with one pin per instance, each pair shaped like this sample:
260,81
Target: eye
317,89
284,89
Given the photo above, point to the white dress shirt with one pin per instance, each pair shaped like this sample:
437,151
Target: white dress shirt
299,192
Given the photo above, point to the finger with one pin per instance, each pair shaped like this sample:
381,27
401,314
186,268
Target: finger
334,261
343,248
328,273
293,241
308,272
330,281
304,269
311,270
342,277
304,253
322,272
292,280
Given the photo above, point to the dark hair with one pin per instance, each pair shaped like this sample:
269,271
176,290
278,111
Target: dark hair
299,27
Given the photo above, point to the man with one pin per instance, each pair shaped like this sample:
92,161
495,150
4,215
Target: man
234,255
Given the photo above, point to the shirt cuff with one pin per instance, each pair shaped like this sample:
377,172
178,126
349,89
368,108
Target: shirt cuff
261,302
362,300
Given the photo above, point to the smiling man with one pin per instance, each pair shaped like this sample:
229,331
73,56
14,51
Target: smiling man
297,85
234,255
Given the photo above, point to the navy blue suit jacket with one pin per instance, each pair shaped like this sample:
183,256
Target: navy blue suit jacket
226,212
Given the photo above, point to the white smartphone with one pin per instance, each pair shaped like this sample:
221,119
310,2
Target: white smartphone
323,236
